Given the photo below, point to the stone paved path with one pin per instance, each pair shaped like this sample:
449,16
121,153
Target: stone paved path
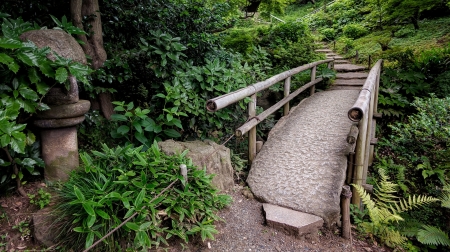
302,166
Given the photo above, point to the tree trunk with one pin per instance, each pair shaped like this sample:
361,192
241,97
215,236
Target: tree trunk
415,20
93,43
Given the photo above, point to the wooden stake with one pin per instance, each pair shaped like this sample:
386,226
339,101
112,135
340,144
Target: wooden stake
312,89
287,90
252,133
345,210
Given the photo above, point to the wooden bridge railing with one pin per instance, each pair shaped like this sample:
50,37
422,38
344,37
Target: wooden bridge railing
364,111
252,90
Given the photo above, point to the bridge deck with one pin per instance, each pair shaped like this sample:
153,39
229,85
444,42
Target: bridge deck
303,164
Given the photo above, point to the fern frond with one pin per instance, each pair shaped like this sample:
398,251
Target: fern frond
413,201
365,197
431,235
392,238
445,198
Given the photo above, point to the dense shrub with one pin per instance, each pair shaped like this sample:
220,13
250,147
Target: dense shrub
354,31
117,183
241,41
328,33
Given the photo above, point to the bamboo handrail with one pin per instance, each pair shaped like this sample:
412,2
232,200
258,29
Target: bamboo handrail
361,105
362,112
227,99
253,119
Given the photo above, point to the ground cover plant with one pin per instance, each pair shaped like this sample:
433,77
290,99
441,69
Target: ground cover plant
116,183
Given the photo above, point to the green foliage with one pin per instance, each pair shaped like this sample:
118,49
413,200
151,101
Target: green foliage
404,32
423,139
354,31
134,124
431,235
41,199
116,183
345,44
241,41
386,209
328,33
26,76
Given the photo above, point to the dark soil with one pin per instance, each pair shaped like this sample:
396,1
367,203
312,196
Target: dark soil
243,229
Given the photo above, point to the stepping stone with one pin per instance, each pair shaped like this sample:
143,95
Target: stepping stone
336,57
290,221
324,51
341,62
351,75
349,82
348,68
331,54
345,88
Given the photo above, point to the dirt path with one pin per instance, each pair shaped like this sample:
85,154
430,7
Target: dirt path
243,230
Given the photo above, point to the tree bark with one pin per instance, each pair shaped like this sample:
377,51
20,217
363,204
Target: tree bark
93,43
415,19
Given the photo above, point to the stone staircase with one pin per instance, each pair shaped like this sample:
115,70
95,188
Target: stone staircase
349,76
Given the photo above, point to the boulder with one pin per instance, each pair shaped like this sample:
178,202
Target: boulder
216,158
59,41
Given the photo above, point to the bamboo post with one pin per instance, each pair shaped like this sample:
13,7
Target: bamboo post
368,137
334,45
252,132
313,77
357,56
359,157
287,90
345,210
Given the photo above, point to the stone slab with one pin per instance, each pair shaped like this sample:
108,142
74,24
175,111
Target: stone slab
348,68
349,82
291,222
345,88
303,164
335,57
342,62
352,75
324,51
65,111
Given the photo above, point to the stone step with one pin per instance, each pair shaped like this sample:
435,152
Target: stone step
331,54
348,68
291,222
336,57
341,62
352,75
349,82
345,88
324,51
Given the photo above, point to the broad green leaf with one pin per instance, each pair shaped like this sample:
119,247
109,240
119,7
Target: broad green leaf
139,198
169,117
78,193
133,226
42,88
61,74
119,118
28,58
18,145
46,69
89,240
78,229
4,140
10,43
124,129
28,93
172,133
33,76
102,214
90,220
141,138
87,206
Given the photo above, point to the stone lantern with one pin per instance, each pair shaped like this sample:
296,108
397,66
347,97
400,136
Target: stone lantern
59,142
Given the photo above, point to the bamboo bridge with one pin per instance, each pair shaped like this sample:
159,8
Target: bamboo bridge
316,149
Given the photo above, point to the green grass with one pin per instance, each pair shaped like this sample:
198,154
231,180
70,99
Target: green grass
432,34
295,11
